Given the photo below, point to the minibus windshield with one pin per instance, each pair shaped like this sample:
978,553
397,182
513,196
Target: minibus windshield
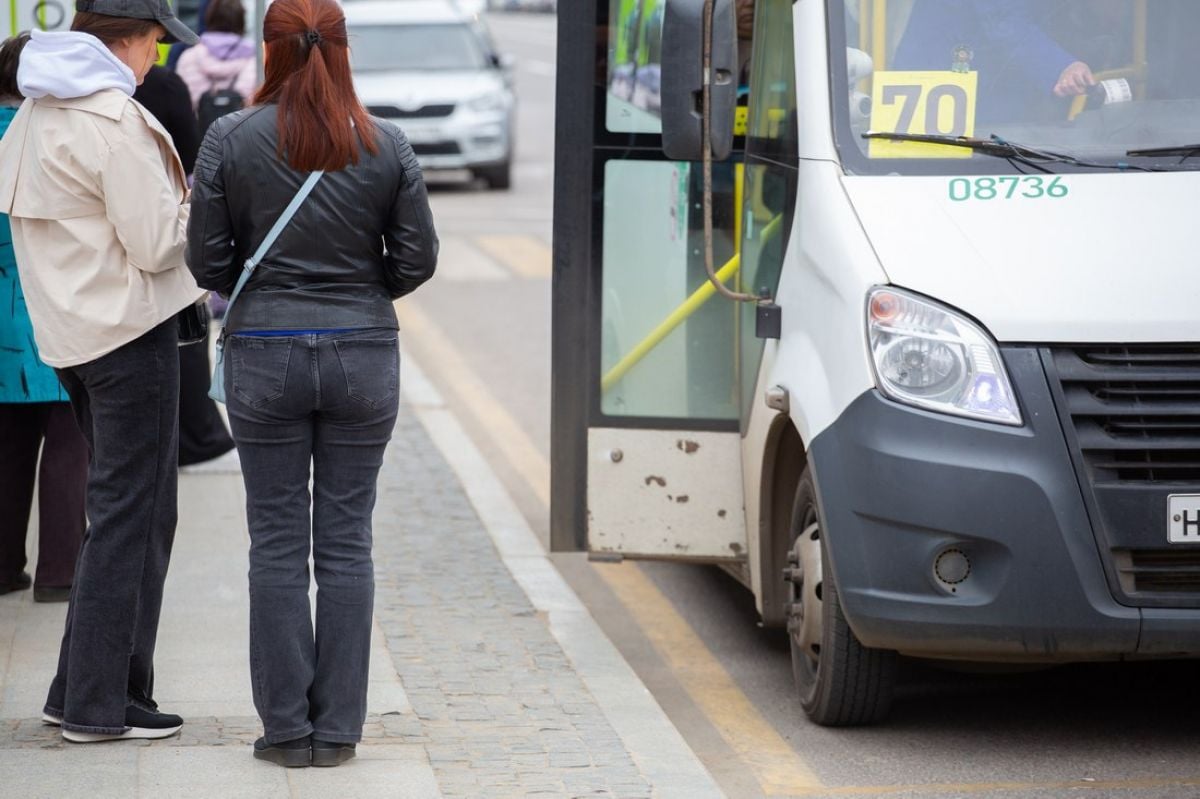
1107,82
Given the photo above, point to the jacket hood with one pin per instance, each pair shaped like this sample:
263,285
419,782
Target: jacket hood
68,64
227,46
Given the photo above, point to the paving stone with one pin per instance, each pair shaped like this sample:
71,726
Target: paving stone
492,690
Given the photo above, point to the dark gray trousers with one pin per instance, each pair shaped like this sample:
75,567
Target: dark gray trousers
327,403
127,405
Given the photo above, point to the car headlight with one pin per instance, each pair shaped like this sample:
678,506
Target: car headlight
492,101
928,356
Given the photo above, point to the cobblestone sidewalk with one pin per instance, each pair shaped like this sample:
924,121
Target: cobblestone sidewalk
501,708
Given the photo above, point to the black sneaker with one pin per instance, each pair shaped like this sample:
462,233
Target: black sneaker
327,753
19,583
289,754
139,723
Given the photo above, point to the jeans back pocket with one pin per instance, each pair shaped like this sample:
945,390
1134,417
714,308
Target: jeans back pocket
371,368
259,368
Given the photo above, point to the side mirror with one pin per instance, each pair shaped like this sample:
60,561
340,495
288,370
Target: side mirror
683,79
504,61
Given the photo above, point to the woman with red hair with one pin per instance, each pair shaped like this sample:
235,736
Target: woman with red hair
312,360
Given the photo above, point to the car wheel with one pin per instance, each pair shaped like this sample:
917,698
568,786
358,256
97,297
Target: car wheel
497,177
841,683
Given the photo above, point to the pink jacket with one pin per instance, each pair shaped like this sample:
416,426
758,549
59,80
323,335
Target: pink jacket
219,60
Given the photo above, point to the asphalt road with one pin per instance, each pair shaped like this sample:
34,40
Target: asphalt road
481,330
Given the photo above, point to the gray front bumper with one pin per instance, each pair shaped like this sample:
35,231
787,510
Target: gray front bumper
899,486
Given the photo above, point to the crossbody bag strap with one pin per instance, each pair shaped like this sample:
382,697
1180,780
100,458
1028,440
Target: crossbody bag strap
269,241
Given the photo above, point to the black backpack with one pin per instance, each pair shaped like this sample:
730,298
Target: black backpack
216,103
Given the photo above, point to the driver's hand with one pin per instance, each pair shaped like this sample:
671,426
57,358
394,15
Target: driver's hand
1075,80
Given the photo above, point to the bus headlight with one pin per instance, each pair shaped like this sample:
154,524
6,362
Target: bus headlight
928,356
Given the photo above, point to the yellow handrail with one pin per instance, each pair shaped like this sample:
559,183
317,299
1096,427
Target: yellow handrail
879,35
1140,20
679,315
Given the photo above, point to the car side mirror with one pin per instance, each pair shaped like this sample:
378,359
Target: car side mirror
683,79
504,61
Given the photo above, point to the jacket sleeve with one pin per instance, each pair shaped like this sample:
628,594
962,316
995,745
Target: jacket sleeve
210,251
410,240
140,200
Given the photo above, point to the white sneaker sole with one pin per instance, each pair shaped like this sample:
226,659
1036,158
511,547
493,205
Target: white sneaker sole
53,721
133,733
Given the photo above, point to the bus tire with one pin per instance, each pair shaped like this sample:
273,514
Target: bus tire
841,683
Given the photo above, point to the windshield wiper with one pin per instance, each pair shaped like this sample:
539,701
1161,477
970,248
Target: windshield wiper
1185,151
1002,148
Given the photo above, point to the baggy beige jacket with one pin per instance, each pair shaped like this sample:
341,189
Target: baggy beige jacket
98,203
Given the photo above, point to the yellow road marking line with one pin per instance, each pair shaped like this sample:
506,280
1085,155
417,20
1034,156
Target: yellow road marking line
425,336
775,764
527,256
459,261
984,787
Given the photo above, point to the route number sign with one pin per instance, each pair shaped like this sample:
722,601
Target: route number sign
934,103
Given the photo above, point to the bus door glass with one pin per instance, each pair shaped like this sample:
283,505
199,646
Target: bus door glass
768,200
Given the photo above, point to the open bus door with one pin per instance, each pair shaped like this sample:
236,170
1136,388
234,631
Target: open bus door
645,427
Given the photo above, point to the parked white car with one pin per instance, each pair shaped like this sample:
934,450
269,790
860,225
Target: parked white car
430,67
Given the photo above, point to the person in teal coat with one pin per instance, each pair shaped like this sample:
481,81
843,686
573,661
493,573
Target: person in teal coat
35,415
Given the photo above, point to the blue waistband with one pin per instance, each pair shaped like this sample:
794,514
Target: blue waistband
275,333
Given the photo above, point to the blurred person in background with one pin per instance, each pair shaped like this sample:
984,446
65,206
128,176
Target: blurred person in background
35,414
97,201
191,14
1022,68
202,434
312,362
221,72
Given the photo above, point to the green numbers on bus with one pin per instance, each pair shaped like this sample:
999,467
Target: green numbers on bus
1010,187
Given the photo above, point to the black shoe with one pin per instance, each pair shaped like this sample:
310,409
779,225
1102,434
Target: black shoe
139,722
19,583
289,754
45,593
327,753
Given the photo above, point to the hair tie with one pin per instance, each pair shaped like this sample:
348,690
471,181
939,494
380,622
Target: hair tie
314,38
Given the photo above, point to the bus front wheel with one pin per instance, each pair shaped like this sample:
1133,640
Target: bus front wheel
841,682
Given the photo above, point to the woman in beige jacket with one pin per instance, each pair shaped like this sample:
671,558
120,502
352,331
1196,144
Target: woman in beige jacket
97,201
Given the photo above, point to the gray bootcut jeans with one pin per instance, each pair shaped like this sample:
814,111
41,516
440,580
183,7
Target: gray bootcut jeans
329,402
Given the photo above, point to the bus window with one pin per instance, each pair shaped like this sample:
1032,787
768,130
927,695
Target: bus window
652,264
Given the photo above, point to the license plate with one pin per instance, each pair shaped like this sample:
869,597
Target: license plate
1183,519
422,136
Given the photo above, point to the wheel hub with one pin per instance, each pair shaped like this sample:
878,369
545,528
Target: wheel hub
805,578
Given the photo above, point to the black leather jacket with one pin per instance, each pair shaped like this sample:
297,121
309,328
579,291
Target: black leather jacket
363,238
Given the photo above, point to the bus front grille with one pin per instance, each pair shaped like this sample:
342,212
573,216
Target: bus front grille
1131,414
1135,411
1159,571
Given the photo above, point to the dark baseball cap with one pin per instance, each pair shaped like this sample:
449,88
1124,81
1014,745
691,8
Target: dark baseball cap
157,10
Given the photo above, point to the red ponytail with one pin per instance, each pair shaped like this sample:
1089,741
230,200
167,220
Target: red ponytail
308,75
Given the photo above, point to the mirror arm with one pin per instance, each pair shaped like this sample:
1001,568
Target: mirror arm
706,146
